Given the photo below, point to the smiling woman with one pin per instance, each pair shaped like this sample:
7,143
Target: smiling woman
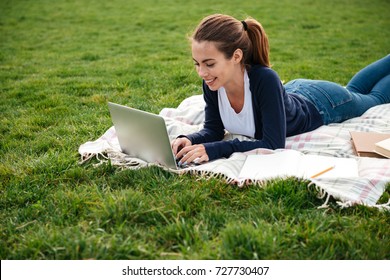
245,96
213,67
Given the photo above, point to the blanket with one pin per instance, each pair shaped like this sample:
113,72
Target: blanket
329,140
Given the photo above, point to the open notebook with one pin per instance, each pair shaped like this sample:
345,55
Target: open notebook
293,163
383,147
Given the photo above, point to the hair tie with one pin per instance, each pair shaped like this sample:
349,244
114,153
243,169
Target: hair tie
245,25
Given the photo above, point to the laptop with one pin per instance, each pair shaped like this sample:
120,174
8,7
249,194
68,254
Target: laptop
142,135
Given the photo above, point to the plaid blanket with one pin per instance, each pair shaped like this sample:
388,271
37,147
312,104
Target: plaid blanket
330,140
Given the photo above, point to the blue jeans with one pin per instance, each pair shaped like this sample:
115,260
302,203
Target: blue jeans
368,88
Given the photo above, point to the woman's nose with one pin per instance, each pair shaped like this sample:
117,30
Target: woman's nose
201,71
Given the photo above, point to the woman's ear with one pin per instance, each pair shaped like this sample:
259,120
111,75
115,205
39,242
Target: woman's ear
238,55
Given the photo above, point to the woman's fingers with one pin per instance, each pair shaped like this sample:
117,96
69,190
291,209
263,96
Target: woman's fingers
194,153
179,144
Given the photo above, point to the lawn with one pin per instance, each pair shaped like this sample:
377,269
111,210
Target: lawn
61,61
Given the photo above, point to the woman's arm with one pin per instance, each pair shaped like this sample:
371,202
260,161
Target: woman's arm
213,129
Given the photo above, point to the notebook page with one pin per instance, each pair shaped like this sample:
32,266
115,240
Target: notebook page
293,163
269,166
342,167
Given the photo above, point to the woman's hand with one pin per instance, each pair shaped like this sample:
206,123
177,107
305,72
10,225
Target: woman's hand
184,150
192,153
180,143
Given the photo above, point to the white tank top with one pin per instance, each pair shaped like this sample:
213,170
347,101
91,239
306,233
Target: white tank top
242,123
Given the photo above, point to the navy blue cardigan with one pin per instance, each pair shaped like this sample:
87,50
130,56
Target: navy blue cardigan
276,114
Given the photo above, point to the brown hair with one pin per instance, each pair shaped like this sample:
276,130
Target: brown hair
230,34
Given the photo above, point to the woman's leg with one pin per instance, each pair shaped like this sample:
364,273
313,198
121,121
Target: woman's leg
336,103
368,88
365,80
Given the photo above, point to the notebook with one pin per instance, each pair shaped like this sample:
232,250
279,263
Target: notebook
294,163
142,135
383,147
364,142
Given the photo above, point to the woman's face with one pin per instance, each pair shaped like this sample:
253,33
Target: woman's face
212,65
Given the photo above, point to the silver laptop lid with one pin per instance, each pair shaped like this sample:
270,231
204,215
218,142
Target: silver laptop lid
142,135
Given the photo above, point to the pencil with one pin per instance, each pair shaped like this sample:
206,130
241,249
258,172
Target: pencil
322,172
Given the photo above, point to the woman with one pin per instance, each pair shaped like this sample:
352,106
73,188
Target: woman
245,96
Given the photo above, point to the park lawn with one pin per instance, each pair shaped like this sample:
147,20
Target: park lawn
61,61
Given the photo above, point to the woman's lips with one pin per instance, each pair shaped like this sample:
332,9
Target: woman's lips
210,82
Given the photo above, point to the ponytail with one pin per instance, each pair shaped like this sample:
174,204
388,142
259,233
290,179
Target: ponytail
259,42
230,34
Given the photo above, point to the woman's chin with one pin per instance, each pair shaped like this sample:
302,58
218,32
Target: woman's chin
213,87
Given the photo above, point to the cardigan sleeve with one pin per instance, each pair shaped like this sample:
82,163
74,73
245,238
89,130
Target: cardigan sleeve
213,129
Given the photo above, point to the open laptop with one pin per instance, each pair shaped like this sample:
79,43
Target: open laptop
142,135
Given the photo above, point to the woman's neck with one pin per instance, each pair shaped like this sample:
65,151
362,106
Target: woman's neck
235,92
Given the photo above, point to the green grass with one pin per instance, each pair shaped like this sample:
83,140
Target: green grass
61,61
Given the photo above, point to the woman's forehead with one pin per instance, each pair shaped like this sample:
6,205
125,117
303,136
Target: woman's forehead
205,49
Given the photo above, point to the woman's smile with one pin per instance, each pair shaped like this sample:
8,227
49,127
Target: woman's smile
210,82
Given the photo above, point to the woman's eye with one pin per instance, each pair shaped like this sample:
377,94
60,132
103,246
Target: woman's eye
210,65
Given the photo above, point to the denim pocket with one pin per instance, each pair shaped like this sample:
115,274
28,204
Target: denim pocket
334,102
334,93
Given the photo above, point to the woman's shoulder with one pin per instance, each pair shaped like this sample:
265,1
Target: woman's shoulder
255,70
262,74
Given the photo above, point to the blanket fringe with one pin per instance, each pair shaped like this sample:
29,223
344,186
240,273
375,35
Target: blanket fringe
247,182
116,158
384,206
87,157
125,162
321,193
205,174
381,207
326,203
